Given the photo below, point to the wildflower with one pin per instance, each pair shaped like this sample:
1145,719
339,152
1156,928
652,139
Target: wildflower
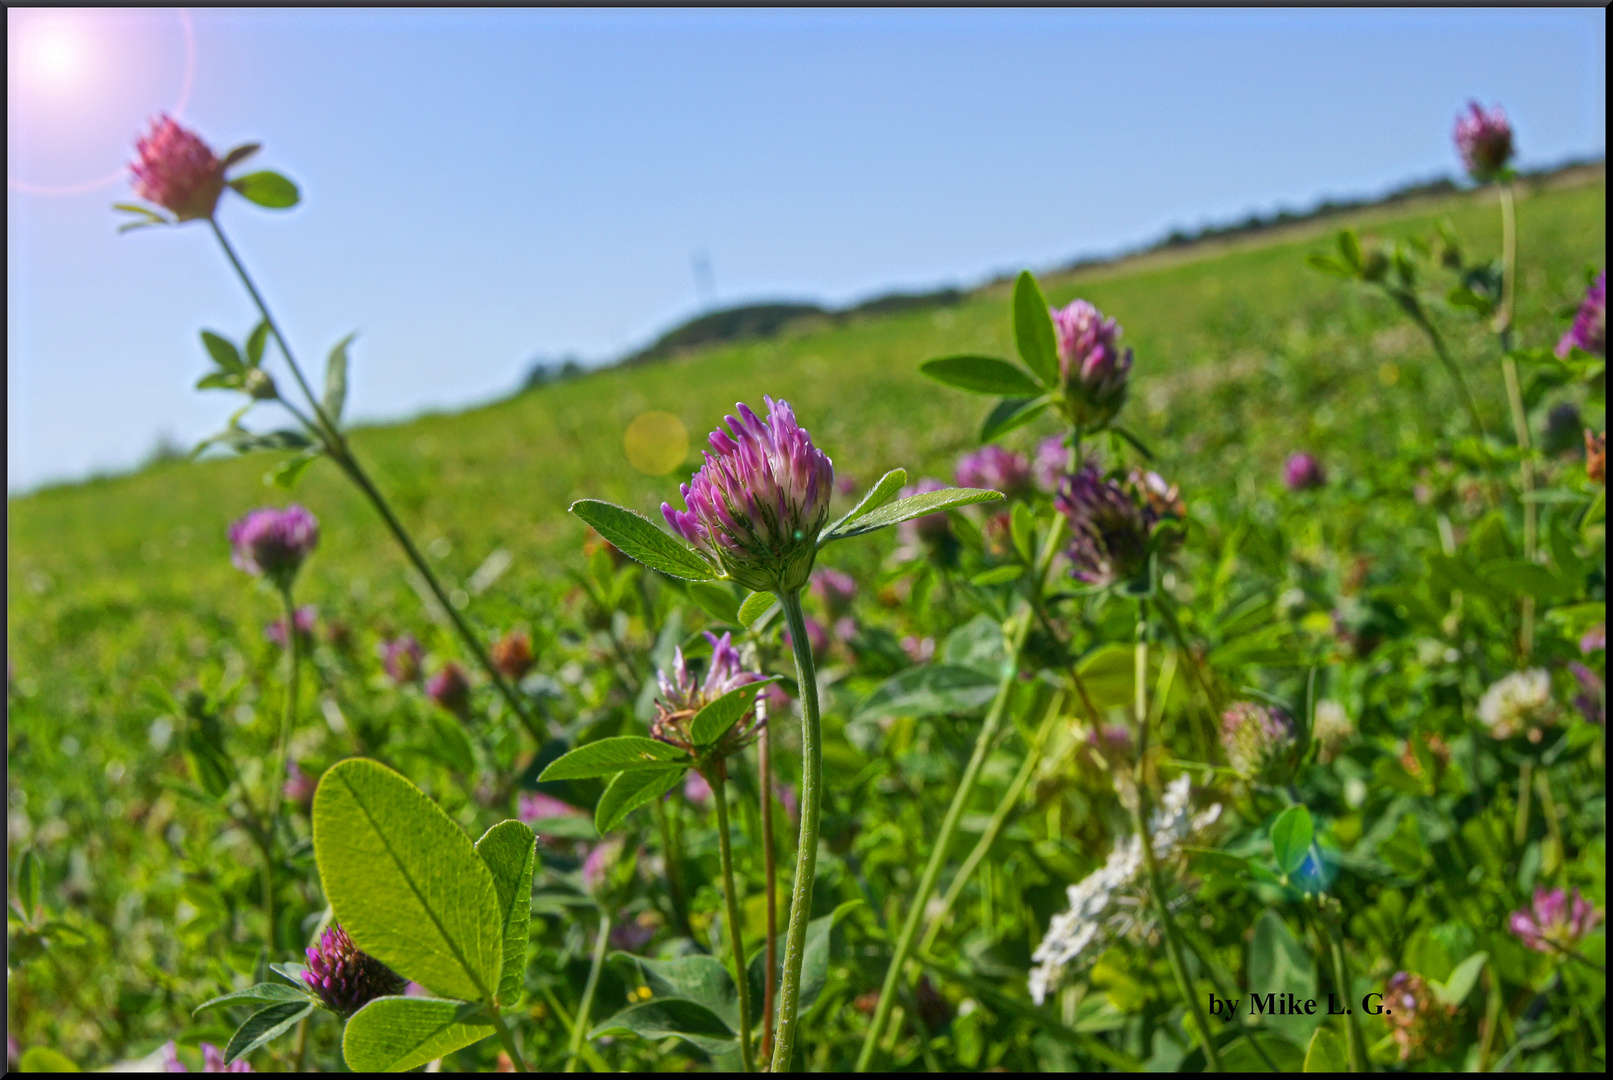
599,867
402,657
1112,743
1591,701
305,619
1331,729
450,689
835,589
1519,702
1594,639
760,500
775,699
696,788
1052,460
512,655
932,530
1589,332
1302,472
273,543
1112,525
1418,1022
1484,139
1596,456
1111,901
682,697
817,638
1093,369
177,171
996,468
1259,741
919,650
299,786
344,976
212,1060
846,485
1553,923
535,806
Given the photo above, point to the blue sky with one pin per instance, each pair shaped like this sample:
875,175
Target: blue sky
484,187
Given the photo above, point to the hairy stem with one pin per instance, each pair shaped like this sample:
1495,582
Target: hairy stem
806,855
1436,339
579,1029
508,1039
335,444
277,780
719,794
764,755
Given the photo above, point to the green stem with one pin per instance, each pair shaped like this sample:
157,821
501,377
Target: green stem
1509,261
1526,479
806,856
1520,826
764,755
580,1027
277,781
719,785
1228,991
1438,341
335,444
943,842
1156,883
1203,731
1355,1042
508,1039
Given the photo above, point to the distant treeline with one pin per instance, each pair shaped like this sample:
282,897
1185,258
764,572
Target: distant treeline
757,322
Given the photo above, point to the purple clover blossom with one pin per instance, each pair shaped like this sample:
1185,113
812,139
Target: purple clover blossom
1052,461
601,861
450,689
1484,139
1552,923
344,976
212,1060
535,806
993,467
760,500
1302,472
696,788
273,543
305,620
631,935
402,657
1260,741
835,589
682,697
177,170
931,530
1591,701
1594,639
1109,528
1589,332
1093,369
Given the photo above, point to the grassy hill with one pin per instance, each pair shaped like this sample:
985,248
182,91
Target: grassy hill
1243,354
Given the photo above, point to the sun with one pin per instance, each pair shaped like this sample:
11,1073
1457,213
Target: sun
54,54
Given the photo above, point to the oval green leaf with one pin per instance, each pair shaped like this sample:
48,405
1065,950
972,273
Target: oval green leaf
877,496
264,1026
755,606
406,882
712,722
664,1017
1326,1053
982,375
931,502
510,851
336,380
261,994
610,756
640,540
267,189
396,1034
1291,838
1033,330
223,352
631,790
1011,413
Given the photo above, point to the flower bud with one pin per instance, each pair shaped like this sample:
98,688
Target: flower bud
1302,472
273,543
1484,139
450,689
260,385
1093,369
512,655
345,977
1259,741
178,171
682,696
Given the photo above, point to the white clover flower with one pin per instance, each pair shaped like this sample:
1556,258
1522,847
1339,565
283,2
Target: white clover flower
1332,728
1518,702
1108,903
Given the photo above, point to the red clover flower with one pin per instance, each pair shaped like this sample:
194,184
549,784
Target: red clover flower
1112,524
450,689
345,977
1093,369
760,500
177,171
682,696
273,543
1419,1023
1484,139
402,657
1553,923
1302,472
1589,332
1260,741
994,467
1052,460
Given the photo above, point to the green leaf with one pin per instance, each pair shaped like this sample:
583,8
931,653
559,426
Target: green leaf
930,690
30,882
293,972
668,1017
931,502
267,189
982,375
1033,330
151,216
638,539
611,755
405,881
223,352
255,343
712,722
1518,577
755,606
263,993
510,851
877,496
264,1026
1022,530
1137,444
997,575
631,790
1011,413
240,154
1279,964
1454,990
716,600
396,1034
1291,838
1326,1052
336,380
704,980
44,1059
219,380
288,472
1329,265
1350,248
815,956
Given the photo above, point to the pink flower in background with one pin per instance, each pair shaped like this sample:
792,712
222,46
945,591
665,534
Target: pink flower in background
178,171
1052,459
212,1060
996,468
450,689
273,543
630,935
402,657
1108,529
760,500
931,529
307,618
1093,369
835,590
696,789
1484,139
785,793
846,485
601,860
535,806
817,639
1302,472
299,787
777,699
919,650
1589,332
1260,741
1553,922
1594,639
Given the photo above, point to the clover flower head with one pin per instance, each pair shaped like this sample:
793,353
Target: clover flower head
1093,369
682,696
1110,526
696,788
1519,702
1052,459
835,589
1594,639
273,543
1302,472
512,655
1484,139
345,977
930,530
994,467
1420,1024
760,500
1589,332
534,806
1554,922
1260,741
632,935
176,170
402,657
305,619
212,1060
450,689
